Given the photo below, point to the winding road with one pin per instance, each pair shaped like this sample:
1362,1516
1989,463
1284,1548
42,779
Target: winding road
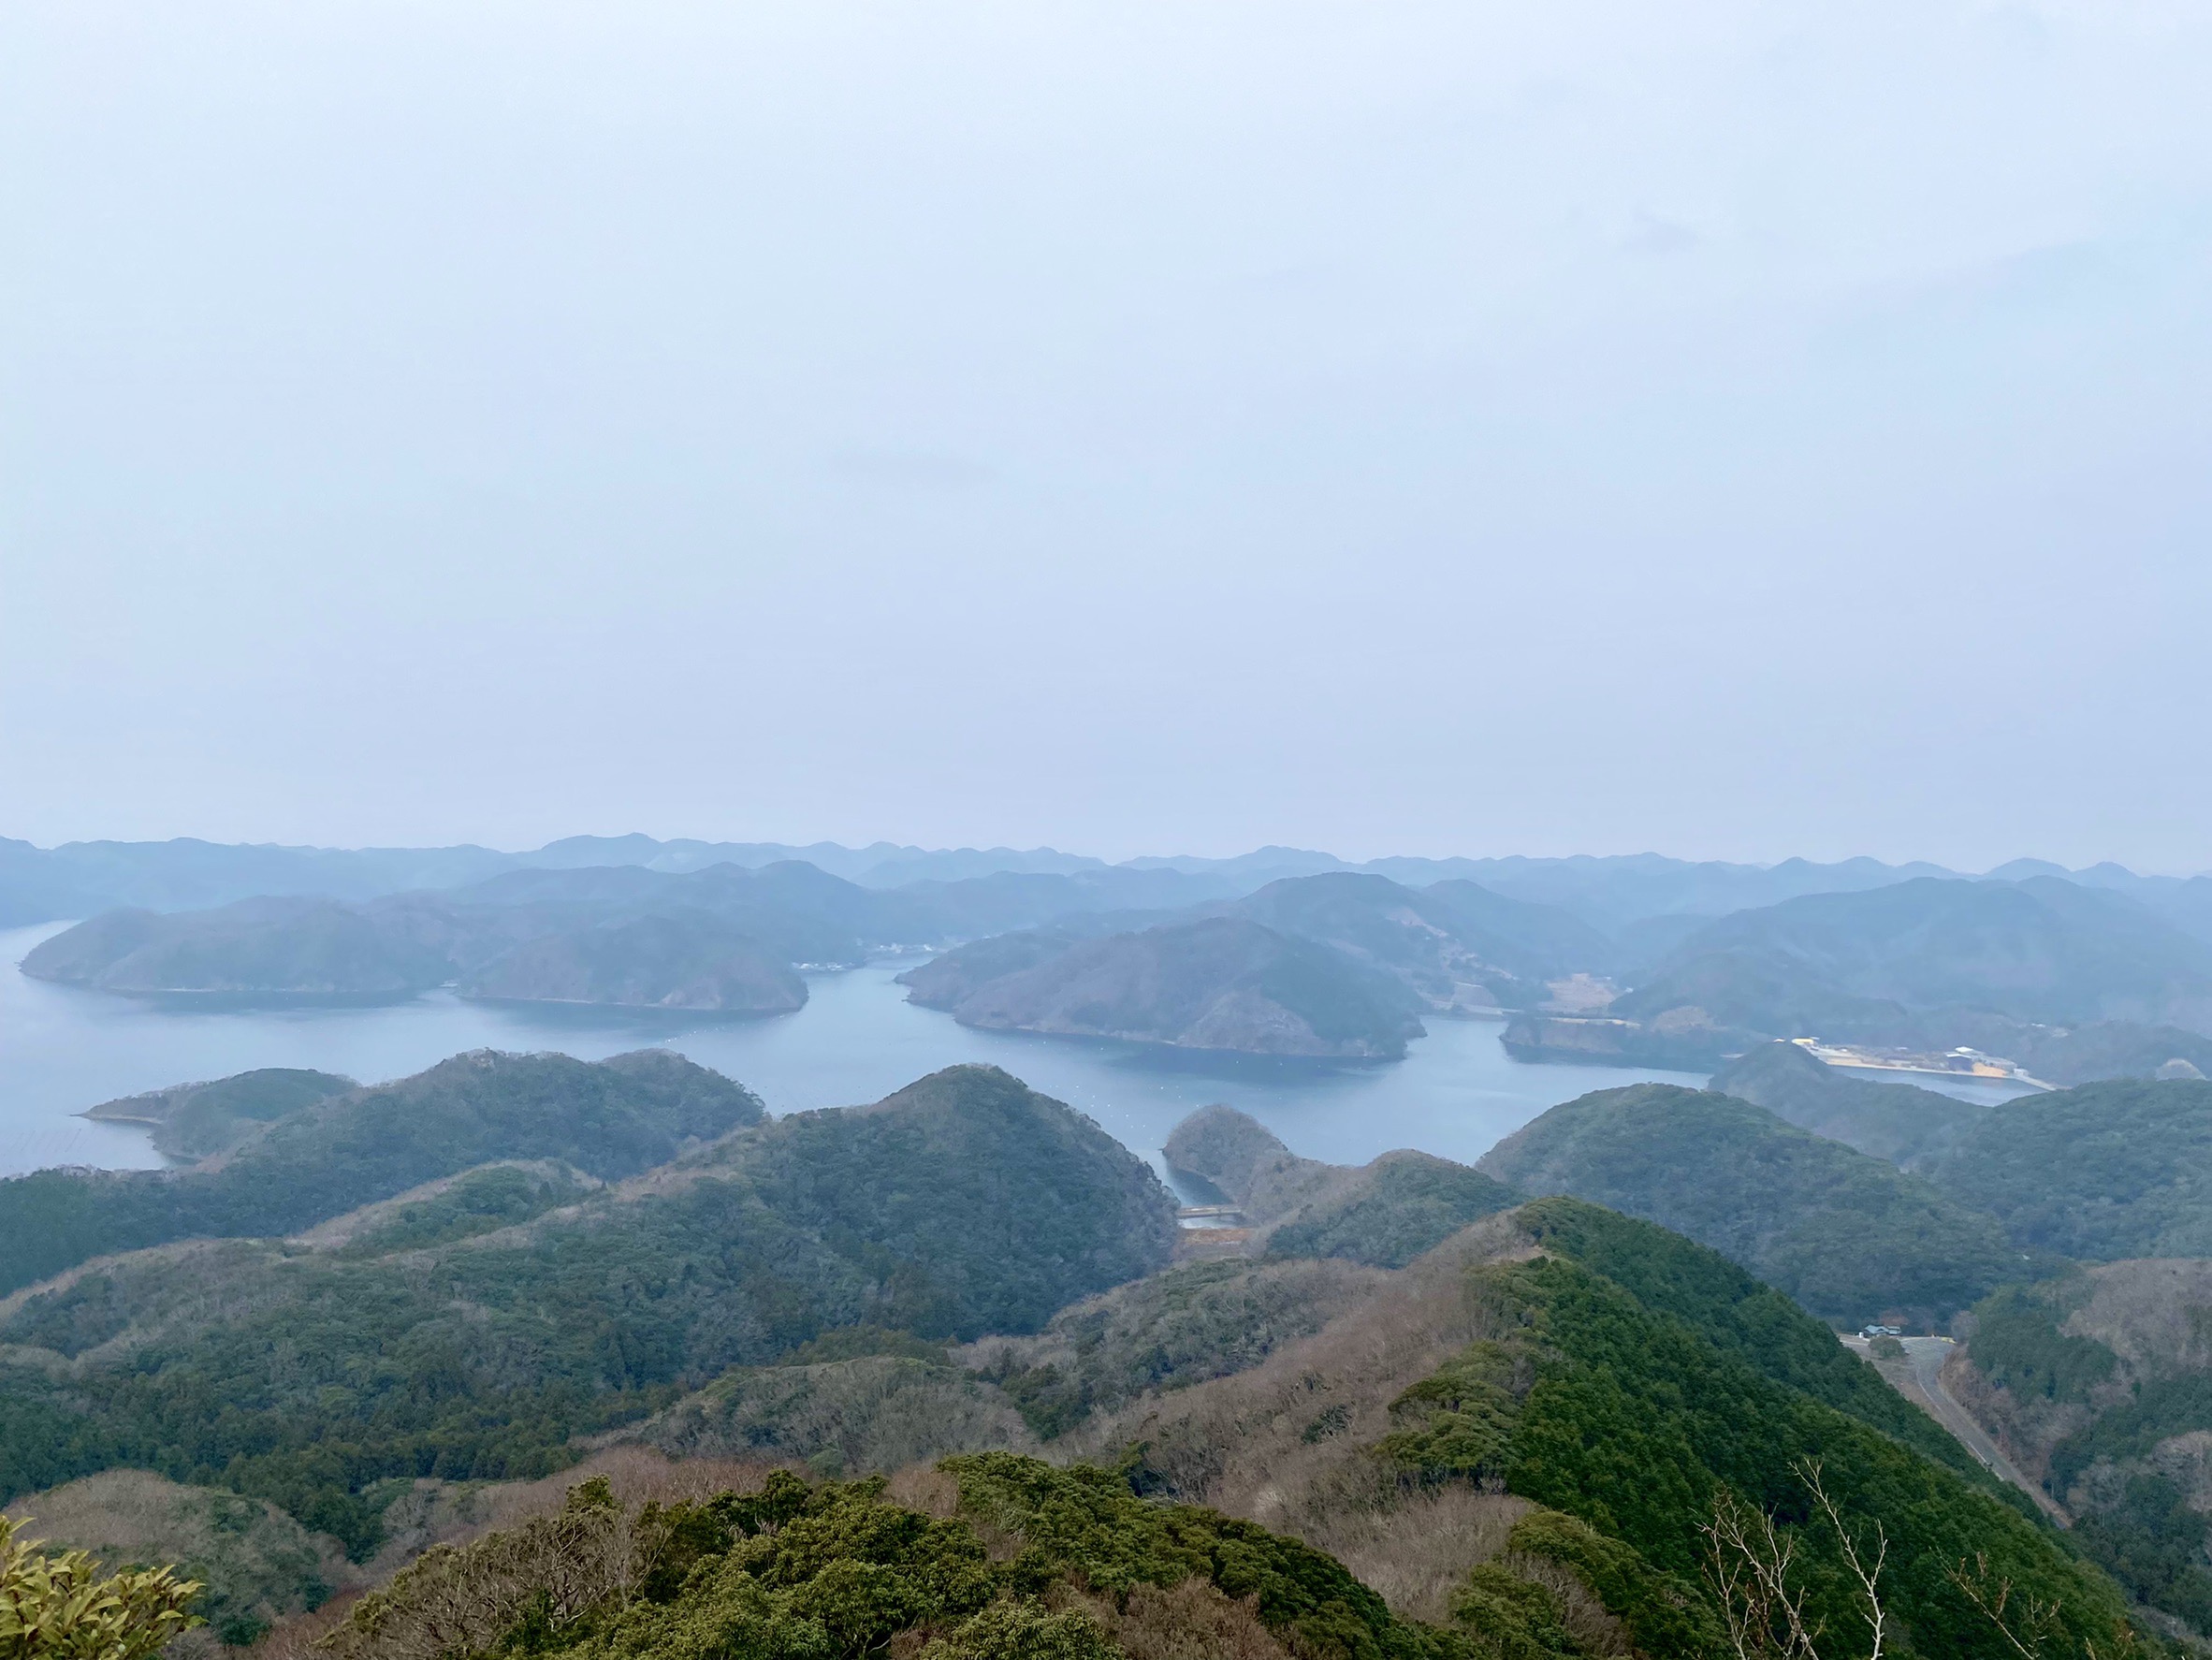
1920,1380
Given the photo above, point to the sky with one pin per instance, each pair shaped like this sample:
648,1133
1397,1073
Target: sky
1736,431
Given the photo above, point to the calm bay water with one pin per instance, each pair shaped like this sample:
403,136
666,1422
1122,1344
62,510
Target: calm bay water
856,1041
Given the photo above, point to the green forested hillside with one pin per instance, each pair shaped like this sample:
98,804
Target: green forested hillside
1399,1207
2041,949
1631,1420
613,1118
298,947
1385,1213
1900,1123
2100,1382
1220,983
1533,1404
2100,1172
1440,945
194,1120
963,1204
1564,1466
1848,1236
692,961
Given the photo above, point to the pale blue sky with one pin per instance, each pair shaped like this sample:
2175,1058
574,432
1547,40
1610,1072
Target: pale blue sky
1734,430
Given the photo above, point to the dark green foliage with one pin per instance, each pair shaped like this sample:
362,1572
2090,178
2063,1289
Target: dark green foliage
611,1119
1511,1618
1409,1203
2098,1172
1736,1314
962,1204
43,1442
1198,1321
2017,1344
1899,1122
2153,1543
1028,1204
2161,1407
1457,1421
1848,1236
1634,1421
833,1572
1050,1401
1665,1614
1086,1523
497,1196
192,1120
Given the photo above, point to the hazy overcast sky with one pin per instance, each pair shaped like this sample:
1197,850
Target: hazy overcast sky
1736,431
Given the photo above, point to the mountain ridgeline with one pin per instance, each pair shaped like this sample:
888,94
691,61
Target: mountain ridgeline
1847,1236
2070,980
608,1120
2075,976
1418,1415
474,1328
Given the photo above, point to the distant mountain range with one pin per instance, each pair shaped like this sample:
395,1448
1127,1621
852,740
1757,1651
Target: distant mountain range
1637,960
1610,893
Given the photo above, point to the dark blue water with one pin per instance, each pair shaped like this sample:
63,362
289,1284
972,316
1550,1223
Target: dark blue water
856,1041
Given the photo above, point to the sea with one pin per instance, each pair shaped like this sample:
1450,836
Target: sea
61,1050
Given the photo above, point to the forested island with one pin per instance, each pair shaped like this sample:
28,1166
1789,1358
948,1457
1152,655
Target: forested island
2066,979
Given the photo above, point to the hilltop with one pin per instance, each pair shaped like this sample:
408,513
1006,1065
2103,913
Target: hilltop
1383,1213
1455,945
962,1204
2074,980
194,1120
1849,1236
610,1119
1220,983
2100,1172
1900,1123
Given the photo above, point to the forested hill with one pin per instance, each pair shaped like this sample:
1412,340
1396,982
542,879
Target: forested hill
609,1120
1221,982
1383,1214
449,1340
1849,1236
2104,1171
1901,1123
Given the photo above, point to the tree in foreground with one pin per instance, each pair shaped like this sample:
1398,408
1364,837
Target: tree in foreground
59,1607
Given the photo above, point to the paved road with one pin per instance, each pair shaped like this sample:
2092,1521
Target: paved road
1921,1381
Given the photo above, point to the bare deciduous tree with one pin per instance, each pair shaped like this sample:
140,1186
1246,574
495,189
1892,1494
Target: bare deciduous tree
2027,1622
1749,1561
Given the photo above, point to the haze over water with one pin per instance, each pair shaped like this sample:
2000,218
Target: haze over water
857,1040
63,1050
